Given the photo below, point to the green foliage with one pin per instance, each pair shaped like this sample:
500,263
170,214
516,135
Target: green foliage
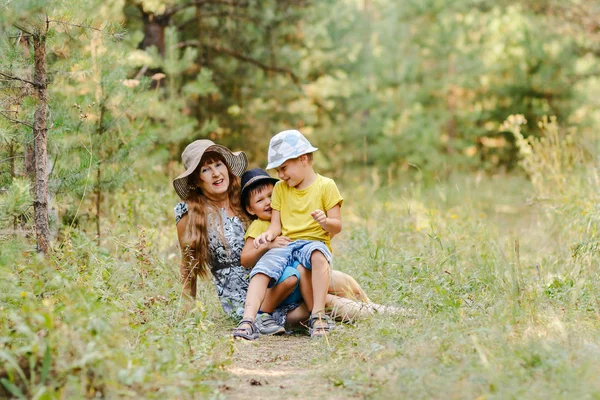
501,307
83,323
493,320
15,203
501,272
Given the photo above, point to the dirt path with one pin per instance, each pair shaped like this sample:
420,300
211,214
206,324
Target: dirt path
280,367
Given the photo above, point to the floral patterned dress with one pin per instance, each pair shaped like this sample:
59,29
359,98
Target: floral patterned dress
230,277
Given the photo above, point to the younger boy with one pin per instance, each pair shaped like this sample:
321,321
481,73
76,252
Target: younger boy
306,209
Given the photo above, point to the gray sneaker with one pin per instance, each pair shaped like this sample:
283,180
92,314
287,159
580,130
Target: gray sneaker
267,325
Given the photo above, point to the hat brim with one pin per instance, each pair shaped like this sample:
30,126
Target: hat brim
236,161
275,164
257,179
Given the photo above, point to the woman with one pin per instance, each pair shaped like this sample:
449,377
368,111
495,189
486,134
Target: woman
210,227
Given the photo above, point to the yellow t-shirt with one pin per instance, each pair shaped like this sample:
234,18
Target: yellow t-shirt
257,227
296,205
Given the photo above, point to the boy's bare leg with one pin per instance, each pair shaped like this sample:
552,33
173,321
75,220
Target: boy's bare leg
255,295
306,288
346,286
277,294
320,281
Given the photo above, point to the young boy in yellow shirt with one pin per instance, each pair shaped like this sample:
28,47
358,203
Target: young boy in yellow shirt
307,210
346,299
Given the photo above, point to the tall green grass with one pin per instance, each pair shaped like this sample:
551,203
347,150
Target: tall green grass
105,320
501,273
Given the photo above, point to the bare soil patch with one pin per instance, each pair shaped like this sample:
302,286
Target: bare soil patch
280,367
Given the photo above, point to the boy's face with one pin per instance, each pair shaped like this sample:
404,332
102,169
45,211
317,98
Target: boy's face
292,172
259,203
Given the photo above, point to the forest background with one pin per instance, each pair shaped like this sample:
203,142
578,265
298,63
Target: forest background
428,113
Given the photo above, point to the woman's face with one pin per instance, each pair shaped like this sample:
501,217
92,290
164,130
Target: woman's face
213,177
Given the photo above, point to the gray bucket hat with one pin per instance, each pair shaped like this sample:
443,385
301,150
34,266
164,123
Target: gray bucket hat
191,156
287,145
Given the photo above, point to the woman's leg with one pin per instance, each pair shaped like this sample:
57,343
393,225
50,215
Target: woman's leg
298,316
344,309
344,285
341,284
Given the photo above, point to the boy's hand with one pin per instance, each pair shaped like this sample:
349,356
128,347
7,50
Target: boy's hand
320,217
279,241
263,239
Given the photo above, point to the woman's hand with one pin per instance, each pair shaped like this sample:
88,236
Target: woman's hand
279,241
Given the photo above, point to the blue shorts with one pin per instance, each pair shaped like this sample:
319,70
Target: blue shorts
295,297
275,260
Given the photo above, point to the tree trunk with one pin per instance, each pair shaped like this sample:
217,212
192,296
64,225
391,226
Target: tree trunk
11,156
26,91
100,129
29,160
154,31
98,204
451,103
40,132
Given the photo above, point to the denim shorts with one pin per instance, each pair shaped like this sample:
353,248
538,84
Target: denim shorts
274,261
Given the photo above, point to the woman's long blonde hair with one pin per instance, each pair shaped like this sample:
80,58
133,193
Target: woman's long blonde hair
196,253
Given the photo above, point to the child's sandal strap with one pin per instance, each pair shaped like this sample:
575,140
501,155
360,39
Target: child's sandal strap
322,330
248,332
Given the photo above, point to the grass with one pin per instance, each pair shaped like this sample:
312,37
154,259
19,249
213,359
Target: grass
505,307
503,283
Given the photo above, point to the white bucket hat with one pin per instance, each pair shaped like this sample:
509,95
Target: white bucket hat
191,156
287,145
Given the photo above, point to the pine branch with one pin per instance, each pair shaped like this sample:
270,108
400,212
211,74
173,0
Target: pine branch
11,158
6,4
106,31
245,58
23,30
15,78
250,60
221,14
75,25
176,9
16,121
141,72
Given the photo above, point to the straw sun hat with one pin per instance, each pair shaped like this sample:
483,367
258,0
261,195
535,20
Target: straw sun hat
191,156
